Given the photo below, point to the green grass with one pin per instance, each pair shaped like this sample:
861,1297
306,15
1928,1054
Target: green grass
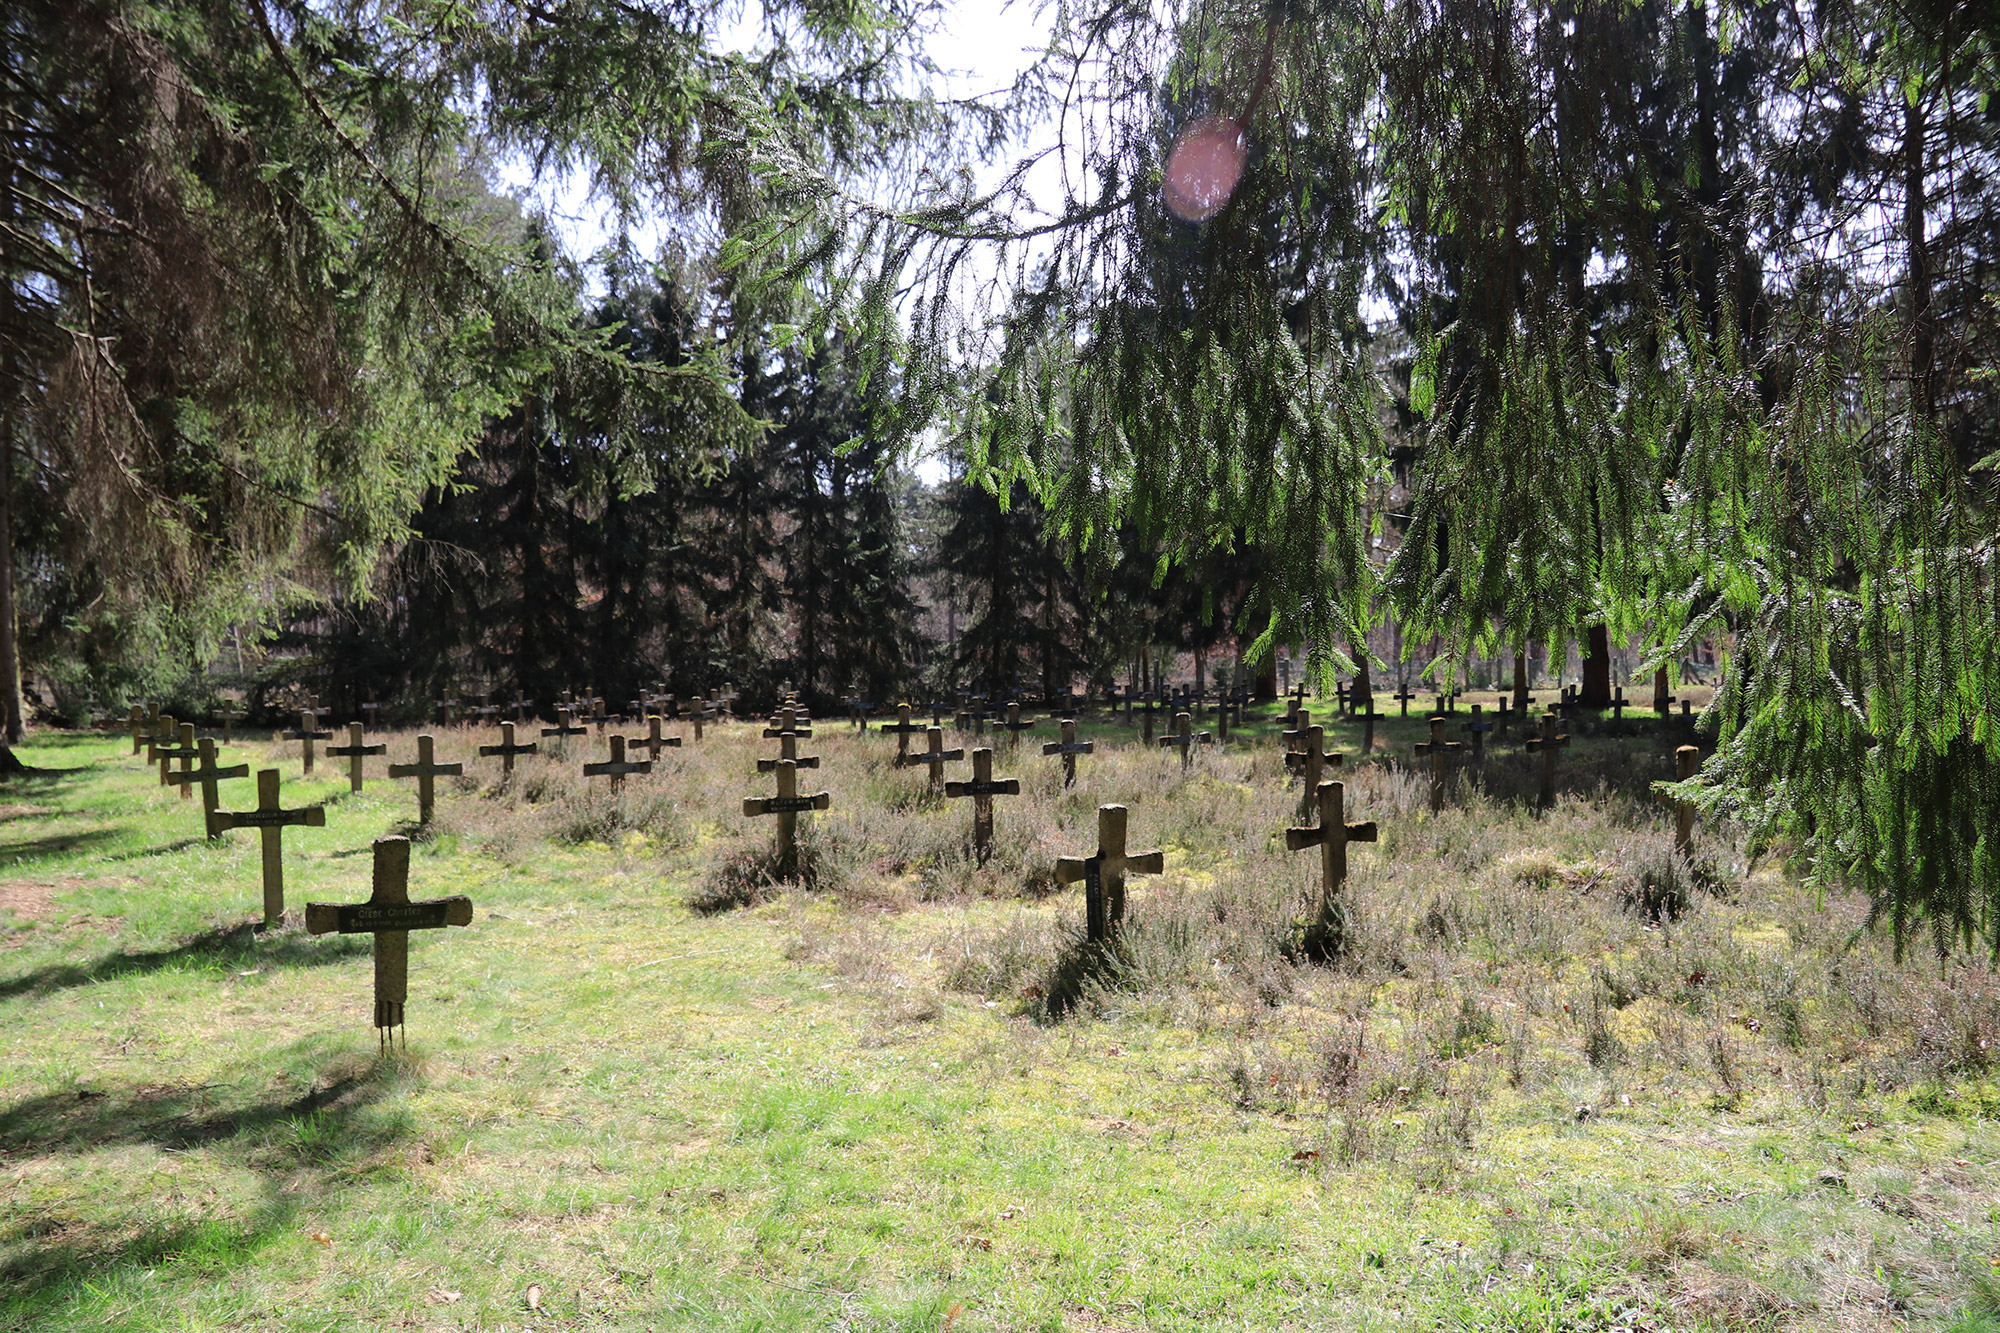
849,1110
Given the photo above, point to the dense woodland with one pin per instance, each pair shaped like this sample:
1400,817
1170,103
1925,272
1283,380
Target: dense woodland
1661,323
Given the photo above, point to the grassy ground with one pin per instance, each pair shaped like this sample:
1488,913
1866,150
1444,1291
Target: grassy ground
1560,1079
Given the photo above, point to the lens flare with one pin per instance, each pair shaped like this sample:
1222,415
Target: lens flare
1204,168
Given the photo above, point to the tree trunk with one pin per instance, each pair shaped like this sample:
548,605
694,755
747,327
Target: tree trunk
10,401
1597,668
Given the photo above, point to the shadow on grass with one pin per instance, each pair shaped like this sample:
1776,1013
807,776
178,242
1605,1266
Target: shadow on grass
223,948
164,849
1081,968
54,1262
12,854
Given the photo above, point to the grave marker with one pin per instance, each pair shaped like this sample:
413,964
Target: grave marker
785,722
1687,761
902,728
1185,739
521,707
426,771
1440,750
1069,747
307,734
788,753
138,729
1331,835
164,732
1015,723
618,767
1404,696
1368,721
653,742
186,753
207,774
1311,761
390,916
982,789
354,752
1663,699
226,710
936,756
1548,743
1477,729
272,820
446,707
564,728
787,805
374,711
506,750
1103,875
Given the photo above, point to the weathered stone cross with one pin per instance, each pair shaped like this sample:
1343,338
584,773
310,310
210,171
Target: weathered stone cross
1103,875
208,775
788,753
272,820
1331,835
426,771
787,805
1440,751
785,722
390,916
1687,762
618,766
564,728
1310,761
354,752
1548,743
1185,738
1477,729
1069,747
903,729
936,756
226,710
982,789
507,749
653,742
138,729
185,752
307,734
1403,696
1015,723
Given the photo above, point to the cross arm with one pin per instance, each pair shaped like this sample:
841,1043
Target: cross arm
312,816
367,918
348,751
418,770
489,751
1146,863
1070,869
209,775
1298,839
803,761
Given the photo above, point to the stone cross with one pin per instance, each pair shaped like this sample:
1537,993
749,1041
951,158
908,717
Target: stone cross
982,789
1310,761
788,753
226,710
207,775
1618,706
507,749
618,766
902,728
858,710
164,733
698,713
787,805
564,728
354,751
1440,750
1298,721
1185,738
374,711
936,756
1477,729
138,729
1404,696
426,771
307,734
272,820
521,707
786,722
390,916
598,717
1103,875
1015,723
653,742
1548,743
1069,747
1331,835
1687,762
186,753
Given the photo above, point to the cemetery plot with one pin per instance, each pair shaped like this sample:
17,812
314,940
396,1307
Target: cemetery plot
390,916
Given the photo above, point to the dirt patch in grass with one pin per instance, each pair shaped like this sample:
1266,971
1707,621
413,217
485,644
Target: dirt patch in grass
34,899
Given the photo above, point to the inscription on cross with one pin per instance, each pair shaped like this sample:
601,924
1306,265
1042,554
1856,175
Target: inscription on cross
936,756
1069,747
982,789
207,774
390,916
1440,751
426,771
506,750
272,820
787,805
1323,935
1185,738
1548,743
1103,875
355,751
